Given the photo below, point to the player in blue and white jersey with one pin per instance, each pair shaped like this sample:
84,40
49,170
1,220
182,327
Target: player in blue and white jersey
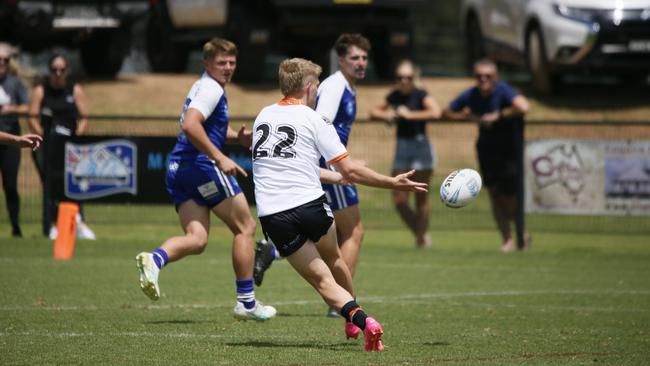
337,101
200,179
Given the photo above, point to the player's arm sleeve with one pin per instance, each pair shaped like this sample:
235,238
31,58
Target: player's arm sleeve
327,141
206,98
329,100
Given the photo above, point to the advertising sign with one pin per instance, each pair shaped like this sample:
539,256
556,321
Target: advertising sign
588,177
121,170
100,169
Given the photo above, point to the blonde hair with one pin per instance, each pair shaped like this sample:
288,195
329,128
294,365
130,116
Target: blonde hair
293,72
216,46
12,68
417,73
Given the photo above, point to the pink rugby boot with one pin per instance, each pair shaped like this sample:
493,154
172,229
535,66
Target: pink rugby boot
351,331
372,334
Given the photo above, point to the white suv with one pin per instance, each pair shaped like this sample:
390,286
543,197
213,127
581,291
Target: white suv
553,37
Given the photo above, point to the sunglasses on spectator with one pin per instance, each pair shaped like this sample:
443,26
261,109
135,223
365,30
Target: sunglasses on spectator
4,60
405,77
484,76
58,70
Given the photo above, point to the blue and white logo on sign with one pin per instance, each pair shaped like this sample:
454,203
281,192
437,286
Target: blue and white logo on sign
100,169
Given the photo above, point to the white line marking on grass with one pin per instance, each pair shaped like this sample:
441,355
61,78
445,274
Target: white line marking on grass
391,299
45,333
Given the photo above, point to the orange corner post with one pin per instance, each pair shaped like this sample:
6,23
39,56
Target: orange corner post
66,225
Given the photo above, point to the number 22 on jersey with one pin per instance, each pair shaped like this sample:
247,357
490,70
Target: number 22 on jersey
281,148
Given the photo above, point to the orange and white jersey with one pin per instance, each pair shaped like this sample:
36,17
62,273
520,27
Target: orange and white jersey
289,139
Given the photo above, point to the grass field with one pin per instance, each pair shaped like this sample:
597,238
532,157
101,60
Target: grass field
575,299
581,296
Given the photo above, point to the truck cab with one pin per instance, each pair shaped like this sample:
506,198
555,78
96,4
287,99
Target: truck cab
101,29
295,28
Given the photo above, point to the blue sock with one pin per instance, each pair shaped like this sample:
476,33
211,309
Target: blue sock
246,293
276,254
160,257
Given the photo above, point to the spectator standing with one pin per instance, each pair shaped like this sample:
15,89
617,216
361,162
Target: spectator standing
497,109
409,106
58,108
13,100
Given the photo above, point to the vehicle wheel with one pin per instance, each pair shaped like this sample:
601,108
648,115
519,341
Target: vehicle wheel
102,55
474,43
544,81
163,54
638,80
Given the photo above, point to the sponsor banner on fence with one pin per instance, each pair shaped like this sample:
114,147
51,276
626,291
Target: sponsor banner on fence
100,169
121,170
588,177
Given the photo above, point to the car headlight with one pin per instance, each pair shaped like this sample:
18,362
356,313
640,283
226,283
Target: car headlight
579,14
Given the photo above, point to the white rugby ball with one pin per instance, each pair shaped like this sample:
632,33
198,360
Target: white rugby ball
460,188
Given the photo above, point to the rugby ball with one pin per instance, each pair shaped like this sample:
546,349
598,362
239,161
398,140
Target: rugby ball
460,188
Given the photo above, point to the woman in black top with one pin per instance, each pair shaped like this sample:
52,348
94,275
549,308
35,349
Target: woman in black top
61,105
410,107
13,100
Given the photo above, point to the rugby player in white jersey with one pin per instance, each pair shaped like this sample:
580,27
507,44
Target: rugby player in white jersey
200,179
289,139
337,102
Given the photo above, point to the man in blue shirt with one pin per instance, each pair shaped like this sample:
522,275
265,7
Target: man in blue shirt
497,109
200,179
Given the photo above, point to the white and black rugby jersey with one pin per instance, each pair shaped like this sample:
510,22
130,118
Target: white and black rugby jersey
289,139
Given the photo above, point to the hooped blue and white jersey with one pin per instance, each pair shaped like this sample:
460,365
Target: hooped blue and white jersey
337,102
209,98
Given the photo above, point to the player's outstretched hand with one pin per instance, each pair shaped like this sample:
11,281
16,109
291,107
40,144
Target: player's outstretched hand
244,137
29,140
403,183
229,167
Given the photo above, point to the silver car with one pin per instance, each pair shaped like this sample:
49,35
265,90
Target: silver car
555,37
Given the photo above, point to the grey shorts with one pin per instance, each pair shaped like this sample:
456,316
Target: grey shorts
414,153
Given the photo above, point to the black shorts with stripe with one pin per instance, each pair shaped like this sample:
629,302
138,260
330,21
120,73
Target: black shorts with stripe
289,230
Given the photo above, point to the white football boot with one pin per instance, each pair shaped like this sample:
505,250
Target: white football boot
148,275
260,312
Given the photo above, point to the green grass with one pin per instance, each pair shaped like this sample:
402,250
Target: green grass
575,299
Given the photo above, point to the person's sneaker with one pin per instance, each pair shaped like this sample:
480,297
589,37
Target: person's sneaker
372,335
351,331
84,232
260,312
426,243
53,233
148,275
332,313
508,246
263,260
16,232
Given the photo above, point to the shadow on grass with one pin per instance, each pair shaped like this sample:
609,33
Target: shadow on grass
312,315
266,344
174,321
436,344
